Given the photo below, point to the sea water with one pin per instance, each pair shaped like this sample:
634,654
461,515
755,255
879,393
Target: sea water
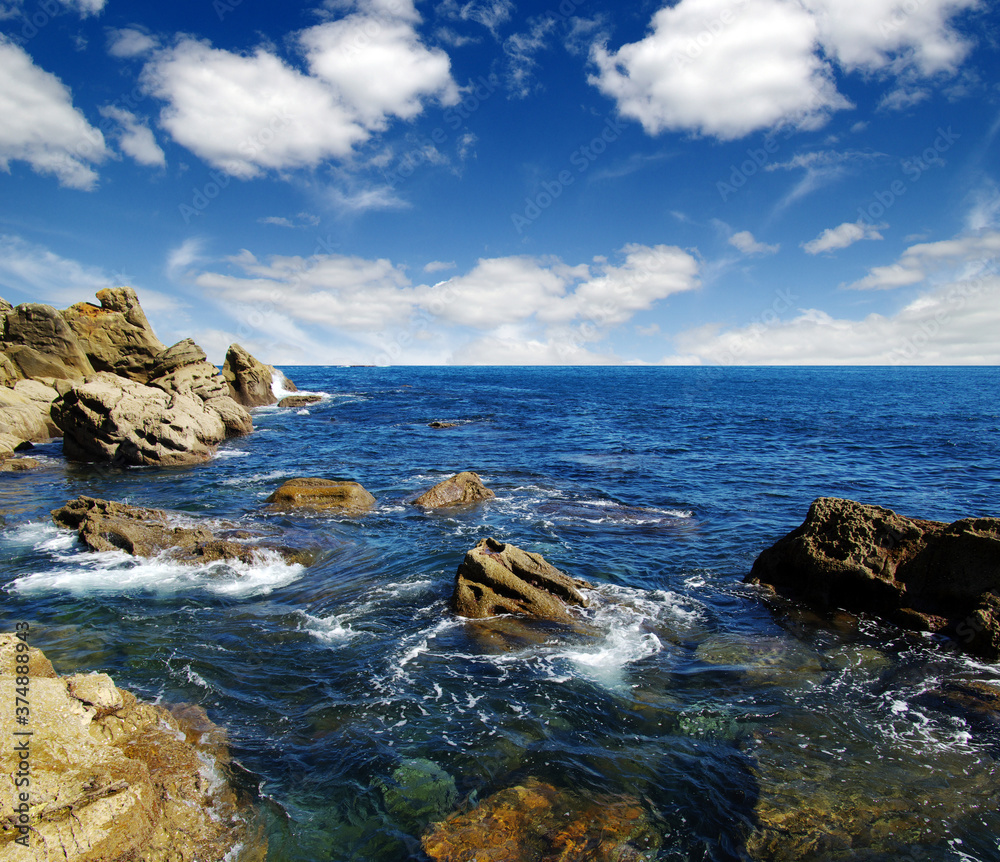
684,688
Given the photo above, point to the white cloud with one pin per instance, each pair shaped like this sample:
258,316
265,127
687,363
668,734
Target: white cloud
184,256
820,168
519,55
249,113
746,243
135,137
15,8
490,13
130,42
842,236
721,68
41,126
919,262
439,265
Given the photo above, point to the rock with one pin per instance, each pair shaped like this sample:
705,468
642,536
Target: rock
497,578
439,424
921,575
40,343
116,336
25,418
111,778
535,822
462,489
250,381
104,525
299,400
419,792
762,660
18,465
312,493
112,419
9,374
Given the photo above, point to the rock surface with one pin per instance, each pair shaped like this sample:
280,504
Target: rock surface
113,779
299,400
498,578
250,381
535,822
104,525
921,575
41,344
462,489
313,493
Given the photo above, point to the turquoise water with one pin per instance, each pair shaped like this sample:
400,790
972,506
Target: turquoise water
660,486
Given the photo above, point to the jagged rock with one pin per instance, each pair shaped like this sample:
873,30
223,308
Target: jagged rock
111,778
104,525
498,578
922,575
458,490
299,400
116,336
535,822
112,419
250,381
40,343
312,493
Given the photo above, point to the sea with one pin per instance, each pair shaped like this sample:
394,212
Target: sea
746,728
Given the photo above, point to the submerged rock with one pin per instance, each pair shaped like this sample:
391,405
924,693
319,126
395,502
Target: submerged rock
439,424
104,525
114,779
536,822
313,493
498,578
299,400
418,793
458,490
922,575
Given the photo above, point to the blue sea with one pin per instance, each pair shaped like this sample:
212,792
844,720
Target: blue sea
660,486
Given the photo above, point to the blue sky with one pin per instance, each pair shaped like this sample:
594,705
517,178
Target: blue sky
708,182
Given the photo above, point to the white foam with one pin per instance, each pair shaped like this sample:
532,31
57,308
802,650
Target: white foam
41,537
279,385
115,573
329,630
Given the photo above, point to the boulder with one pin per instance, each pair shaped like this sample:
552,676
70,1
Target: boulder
23,417
498,578
439,424
459,490
535,821
299,400
113,419
40,343
116,335
17,465
104,525
921,575
250,381
312,493
111,778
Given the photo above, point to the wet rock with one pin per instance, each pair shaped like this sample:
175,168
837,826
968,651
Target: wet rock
299,400
921,575
498,578
314,493
418,792
458,490
104,525
535,822
439,424
112,778
250,381
18,465
762,661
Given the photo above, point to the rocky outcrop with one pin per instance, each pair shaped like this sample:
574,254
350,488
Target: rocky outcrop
115,335
498,578
104,525
111,778
40,344
299,400
459,490
922,575
535,821
250,381
321,494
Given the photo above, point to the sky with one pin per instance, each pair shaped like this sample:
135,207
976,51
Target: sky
423,182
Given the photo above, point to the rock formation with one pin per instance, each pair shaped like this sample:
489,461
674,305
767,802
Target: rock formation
535,822
249,380
104,525
110,778
299,400
922,575
321,494
462,489
498,578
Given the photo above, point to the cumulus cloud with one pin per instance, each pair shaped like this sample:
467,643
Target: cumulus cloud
746,243
249,113
721,68
130,42
842,236
135,138
41,126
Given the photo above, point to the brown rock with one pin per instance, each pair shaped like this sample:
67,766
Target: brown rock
19,465
462,489
250,381
439,424
312,493
40,343
104,525
112,779
497,578
299,400
923,575
535,822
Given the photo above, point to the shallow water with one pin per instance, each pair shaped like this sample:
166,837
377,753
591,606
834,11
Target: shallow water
659,486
